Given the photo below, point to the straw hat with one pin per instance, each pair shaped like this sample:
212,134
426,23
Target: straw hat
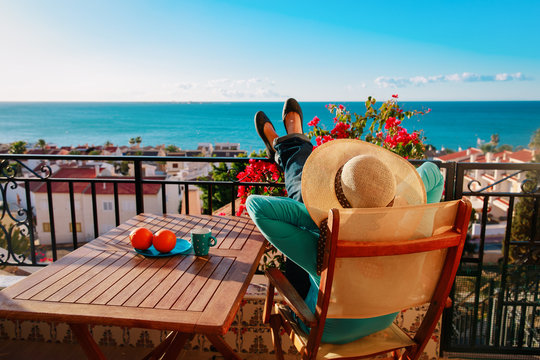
353,173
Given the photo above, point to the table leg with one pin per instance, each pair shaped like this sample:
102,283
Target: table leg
176,345
87,342
158,351
223,347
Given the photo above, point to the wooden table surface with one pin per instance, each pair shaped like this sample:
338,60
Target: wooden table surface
106,282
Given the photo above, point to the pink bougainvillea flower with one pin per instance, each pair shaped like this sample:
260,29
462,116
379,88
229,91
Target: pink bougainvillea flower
391,122
241,210
314,122
395,96
341,107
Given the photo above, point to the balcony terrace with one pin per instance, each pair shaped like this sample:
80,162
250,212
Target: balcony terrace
46,213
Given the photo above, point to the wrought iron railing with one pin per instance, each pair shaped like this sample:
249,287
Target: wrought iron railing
19,221
496,306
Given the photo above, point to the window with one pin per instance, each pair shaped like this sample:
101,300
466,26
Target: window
77,226
107,205
46,227
175,166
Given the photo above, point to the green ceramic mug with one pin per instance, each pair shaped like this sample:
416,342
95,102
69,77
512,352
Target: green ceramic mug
202,240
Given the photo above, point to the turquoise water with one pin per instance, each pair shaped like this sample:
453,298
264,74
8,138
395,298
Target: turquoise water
450,124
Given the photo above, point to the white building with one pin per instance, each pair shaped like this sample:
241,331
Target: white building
83,205
487,179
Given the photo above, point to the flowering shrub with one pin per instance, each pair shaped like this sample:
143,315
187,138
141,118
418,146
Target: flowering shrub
380,126
259,171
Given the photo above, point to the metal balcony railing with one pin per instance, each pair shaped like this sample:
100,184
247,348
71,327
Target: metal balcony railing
496,301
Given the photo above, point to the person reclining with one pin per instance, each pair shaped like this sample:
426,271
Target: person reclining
342,173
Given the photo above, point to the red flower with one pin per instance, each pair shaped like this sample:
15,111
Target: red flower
395,96
314,122
340,130
241,209
258,171
341,107
391,122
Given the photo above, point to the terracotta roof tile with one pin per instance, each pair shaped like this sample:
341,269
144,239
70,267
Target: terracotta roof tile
71,173
459,154
524,155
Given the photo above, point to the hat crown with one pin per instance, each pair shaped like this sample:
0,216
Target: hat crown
367,182
320,180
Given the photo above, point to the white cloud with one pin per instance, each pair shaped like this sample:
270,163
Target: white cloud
185,86
387,81
354,88
225,88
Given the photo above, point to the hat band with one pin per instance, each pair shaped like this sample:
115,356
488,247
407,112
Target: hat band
339,190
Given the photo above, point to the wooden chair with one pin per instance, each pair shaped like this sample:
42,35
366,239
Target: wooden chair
400,257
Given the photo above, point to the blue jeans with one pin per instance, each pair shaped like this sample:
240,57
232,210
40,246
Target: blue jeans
292,152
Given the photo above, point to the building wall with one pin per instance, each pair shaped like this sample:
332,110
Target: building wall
84,214
62,217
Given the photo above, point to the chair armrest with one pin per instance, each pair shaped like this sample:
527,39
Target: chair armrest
291,296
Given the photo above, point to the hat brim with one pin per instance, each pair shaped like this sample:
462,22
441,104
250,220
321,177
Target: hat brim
322,165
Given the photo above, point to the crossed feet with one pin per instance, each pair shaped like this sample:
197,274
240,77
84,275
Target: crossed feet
293,125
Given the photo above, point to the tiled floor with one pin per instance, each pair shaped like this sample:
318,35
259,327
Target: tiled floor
24,350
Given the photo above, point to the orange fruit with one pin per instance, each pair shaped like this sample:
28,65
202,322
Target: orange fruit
164,240
141,238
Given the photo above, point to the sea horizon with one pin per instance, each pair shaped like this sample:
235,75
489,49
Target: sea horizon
450,124
233,101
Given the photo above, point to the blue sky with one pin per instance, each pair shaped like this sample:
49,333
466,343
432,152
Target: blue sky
268,50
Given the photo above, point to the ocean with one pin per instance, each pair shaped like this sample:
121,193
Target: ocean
449,124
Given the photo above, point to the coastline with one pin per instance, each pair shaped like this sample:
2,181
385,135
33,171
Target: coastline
449,125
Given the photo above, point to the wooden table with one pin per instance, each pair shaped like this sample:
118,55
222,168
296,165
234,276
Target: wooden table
105,282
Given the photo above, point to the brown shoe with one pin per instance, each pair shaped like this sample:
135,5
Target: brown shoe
260,120
291,105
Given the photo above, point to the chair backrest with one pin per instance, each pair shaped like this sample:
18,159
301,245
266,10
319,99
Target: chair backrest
383,260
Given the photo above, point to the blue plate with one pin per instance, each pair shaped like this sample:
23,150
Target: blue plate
182,247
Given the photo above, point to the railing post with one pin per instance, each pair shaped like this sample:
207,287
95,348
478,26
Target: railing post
139,201
30,219
458,187
450,182
233,202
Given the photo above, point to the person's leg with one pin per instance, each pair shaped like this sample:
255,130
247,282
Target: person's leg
286,224
292,152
